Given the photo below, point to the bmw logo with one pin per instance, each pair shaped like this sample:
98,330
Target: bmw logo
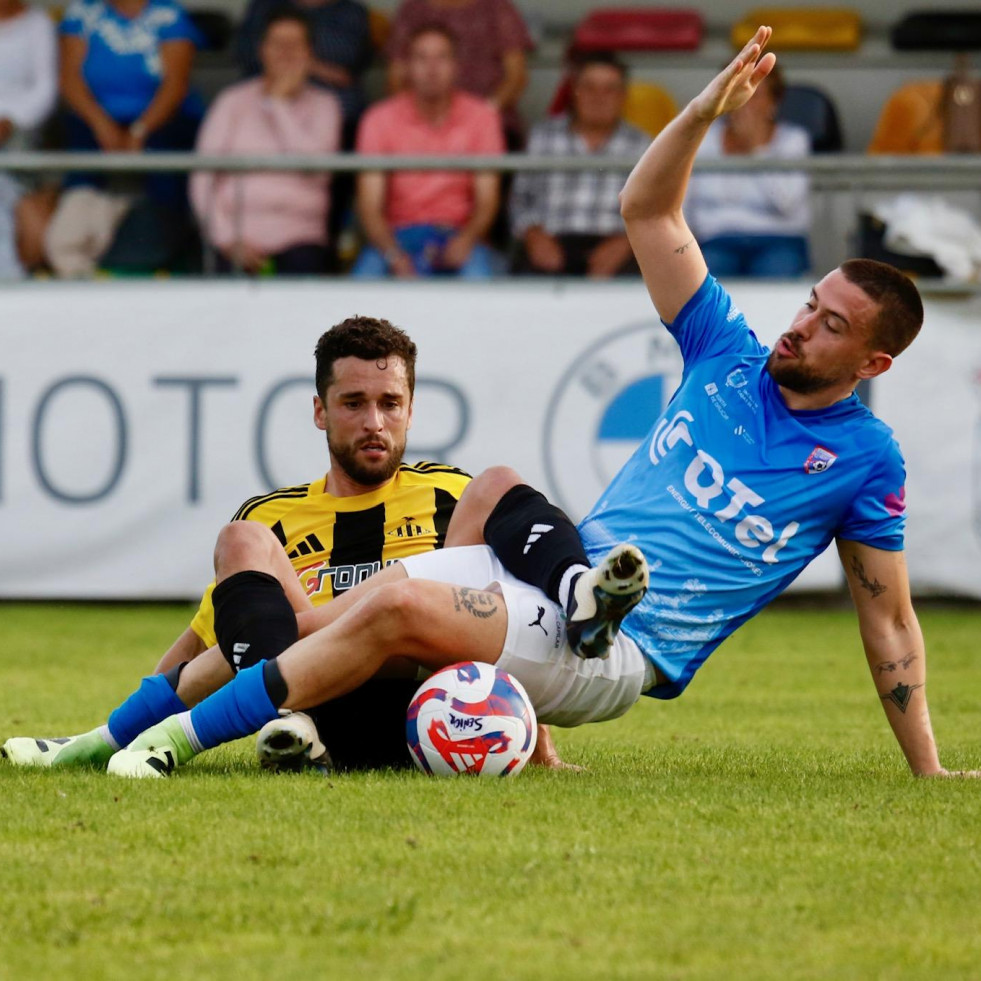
602,408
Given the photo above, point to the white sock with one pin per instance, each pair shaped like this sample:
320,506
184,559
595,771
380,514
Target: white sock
107,736
565,586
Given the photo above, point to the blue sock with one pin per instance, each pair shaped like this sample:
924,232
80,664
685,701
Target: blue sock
154,701
242,707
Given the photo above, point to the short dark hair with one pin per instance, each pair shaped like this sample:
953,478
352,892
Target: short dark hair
777,83
286,13
900,307
583,60
367,338
431,27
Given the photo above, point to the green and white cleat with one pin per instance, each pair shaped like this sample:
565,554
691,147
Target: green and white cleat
87,749
292,743
154,753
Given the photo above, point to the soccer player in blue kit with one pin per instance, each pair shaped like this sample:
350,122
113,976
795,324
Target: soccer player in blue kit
759,461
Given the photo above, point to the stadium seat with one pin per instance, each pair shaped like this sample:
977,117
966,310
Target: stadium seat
648,106
803,29
813,110
631,29
911,121
215,27
927,30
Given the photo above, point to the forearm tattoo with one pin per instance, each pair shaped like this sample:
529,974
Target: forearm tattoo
900,696
476,602
682,249
893,666
872,585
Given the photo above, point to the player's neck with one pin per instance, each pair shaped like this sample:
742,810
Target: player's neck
340,484
805,401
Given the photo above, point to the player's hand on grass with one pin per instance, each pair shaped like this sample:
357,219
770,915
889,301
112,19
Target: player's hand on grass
958,774
547,755
736,84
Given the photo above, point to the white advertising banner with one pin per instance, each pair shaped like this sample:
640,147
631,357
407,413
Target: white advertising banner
136,417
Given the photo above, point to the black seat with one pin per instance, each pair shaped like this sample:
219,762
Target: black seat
813,110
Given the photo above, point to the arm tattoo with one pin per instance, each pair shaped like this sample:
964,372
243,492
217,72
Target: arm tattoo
682,249
900,696
476,602
872,585
892,666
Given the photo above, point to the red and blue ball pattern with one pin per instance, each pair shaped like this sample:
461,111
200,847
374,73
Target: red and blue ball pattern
471,718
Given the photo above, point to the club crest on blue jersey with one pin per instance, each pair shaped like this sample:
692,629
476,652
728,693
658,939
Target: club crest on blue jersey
819,460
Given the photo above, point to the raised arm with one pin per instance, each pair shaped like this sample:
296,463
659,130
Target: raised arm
651,200
894,647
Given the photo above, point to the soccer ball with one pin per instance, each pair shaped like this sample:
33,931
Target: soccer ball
471,718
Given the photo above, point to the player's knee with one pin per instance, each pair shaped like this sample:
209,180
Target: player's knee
477,502
396,612
243,545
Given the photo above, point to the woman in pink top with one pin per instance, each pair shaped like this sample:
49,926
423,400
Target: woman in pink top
273,222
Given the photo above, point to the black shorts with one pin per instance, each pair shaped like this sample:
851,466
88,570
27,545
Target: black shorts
365,729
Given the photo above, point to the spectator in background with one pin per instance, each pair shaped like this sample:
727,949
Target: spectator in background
28,89
753,224
28,73
428,222
275,221
342,49
125,77
569,223
492,40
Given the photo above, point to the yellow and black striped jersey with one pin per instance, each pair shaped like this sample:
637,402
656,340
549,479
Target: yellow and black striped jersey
336,542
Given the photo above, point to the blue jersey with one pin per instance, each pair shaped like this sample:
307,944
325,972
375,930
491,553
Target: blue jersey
732,493
122,65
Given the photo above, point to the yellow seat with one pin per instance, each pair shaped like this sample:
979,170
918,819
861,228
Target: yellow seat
649,107
805,29
911,120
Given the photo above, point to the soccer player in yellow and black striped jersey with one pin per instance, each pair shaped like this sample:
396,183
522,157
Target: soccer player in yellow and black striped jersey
298,547
334,542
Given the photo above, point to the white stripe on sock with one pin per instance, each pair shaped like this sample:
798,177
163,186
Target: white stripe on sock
566,584
107,736
192,737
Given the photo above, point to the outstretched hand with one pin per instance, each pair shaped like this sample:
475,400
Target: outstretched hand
735,85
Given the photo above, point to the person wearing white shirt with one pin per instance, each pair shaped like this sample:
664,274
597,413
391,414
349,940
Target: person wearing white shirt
28,72
753,224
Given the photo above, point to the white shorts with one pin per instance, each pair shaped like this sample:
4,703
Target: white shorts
566,690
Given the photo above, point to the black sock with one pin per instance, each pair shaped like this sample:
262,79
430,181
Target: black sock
534,539
173,675
253,619
272,678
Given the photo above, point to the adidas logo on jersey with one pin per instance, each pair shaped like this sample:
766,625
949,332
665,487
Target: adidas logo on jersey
237,651
536,532
308,546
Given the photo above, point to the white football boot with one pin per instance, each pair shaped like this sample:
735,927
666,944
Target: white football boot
292,743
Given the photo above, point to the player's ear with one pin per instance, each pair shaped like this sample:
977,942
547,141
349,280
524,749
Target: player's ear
877,363
319,413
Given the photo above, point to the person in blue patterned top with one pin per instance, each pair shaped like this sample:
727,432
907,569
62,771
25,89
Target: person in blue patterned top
125,77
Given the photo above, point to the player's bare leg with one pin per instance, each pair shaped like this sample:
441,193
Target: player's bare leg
435,624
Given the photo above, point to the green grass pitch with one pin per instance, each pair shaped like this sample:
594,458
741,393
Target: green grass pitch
762,826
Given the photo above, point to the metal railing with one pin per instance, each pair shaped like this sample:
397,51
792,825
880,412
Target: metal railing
827,172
